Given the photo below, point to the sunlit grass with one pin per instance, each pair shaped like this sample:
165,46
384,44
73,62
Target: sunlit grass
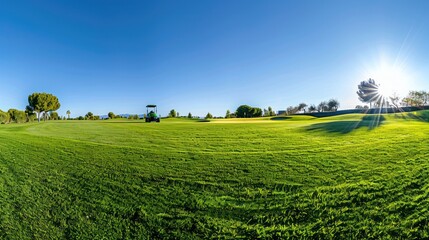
299,177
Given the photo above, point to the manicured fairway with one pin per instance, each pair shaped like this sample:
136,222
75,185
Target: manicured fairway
351,176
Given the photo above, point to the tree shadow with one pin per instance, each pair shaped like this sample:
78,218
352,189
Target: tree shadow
422,116
344,127
280,118
408,116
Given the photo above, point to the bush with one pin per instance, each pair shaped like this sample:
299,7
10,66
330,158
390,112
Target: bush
31,117
4,117
111,115
209,116
17,116
54,116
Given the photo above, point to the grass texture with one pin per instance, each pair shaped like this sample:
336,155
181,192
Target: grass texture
350,176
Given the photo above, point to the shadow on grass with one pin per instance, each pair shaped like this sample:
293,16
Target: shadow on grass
369,121
280,118
422,116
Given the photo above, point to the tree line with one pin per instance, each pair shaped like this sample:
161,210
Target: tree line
368,92
243,111
331,105
43,106
40,105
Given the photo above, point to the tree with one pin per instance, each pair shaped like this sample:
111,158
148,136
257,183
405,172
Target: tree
228,114
256,112
368,92
243,111
246,111
416,98
291,110
301,107
68,114
17,116
177,114
265,114
4,117
333,105
172,113
111,115
89,116
271,112
209,115
42,103
189,115
394,100
31,116
54,116
312,108
322,107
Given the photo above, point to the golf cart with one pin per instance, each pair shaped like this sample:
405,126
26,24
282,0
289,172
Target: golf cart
152,114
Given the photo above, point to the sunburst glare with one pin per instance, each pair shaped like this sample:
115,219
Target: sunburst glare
391,80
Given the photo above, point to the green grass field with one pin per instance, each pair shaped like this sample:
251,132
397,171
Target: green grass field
350,176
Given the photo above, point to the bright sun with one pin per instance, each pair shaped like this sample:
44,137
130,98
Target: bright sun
391,80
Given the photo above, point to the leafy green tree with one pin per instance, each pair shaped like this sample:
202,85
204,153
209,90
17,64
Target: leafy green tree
228,114
89,116
265,113
68,114
416,98
244,111
256,112
189,115
111,115
4,117
17,116
172,113
209,116
54,116
271,112
31,116
133,116
42,103
333,105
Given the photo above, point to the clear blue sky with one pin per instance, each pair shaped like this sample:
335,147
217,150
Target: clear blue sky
199,56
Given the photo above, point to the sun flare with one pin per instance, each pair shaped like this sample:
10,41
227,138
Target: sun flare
391,80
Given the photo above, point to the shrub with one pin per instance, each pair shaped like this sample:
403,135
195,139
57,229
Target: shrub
17,116
4,117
